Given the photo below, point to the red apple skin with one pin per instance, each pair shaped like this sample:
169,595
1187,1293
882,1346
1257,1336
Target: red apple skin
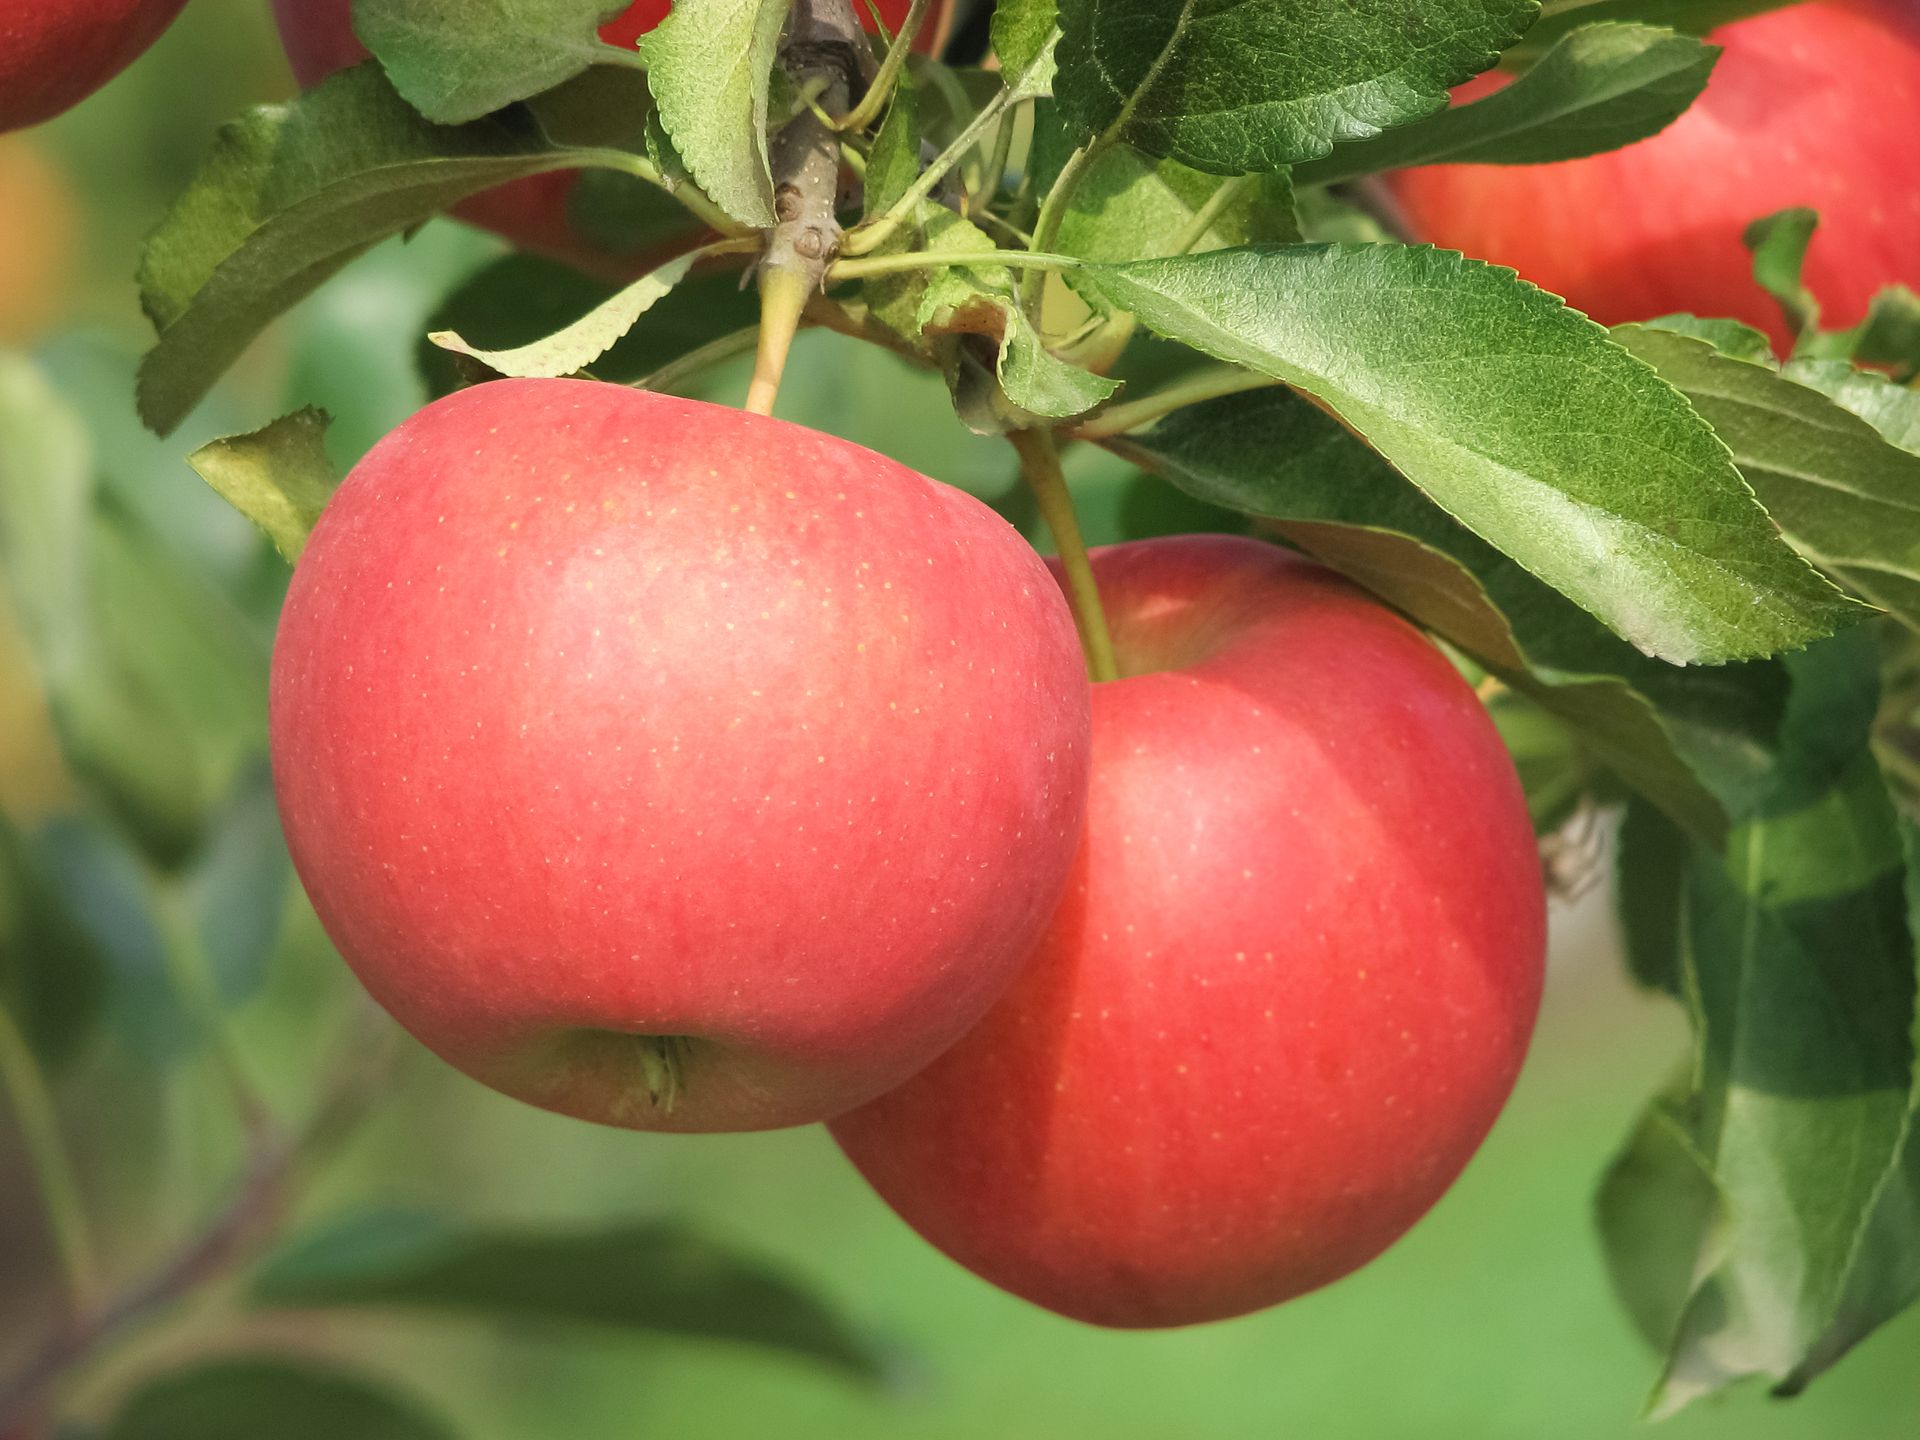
531,213
1811,105
600,714
1290,986
55,53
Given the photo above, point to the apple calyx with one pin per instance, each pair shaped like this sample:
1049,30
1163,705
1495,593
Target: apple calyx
663,1062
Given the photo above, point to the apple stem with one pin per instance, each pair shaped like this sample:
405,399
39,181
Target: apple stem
1040,464
663,1063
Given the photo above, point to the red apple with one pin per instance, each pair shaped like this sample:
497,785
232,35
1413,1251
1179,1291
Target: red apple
532,213
1291,983
1811,105
669,766
55,53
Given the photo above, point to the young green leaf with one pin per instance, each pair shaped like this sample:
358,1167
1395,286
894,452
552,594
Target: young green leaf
247,1397
279,477
1779,245
519,298
1843,496
290,194
1598,89
710,66
1521,418
1236,89
572,349
1128,206
657,1278
456,60
1270,453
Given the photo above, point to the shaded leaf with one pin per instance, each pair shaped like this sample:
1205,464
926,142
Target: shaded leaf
53,978
655,1277
290,194
1599,88
279,476
1247,87
254,1396
1692,17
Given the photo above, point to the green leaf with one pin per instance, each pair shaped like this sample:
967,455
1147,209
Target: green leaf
1022,31
1890,335
1129,206
1252,86
519,298
1521,418
46,498
53,978
1650,860
1798,967
253,1396
1891,409
573,348
1779,245
1843,496
290,194
894,162
456,60
237,888
1270,453
1692,17
710,64
1884,1277
1599,88
279,477
652,1277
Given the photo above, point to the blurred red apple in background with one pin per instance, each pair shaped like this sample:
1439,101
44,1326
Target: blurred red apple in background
55,53
668,766
1292,981
531,213
1809,106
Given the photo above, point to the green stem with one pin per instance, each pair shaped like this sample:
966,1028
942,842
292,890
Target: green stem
997,160
862,115
1209,384
875,233
52,1167
1053,211
944,259
1204,217
1040,464
676,372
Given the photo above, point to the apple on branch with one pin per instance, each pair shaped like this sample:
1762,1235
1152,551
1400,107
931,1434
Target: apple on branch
1796,114
1290,986
670,766
55,53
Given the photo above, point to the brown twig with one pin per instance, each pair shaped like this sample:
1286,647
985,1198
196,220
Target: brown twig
234,1234
825,55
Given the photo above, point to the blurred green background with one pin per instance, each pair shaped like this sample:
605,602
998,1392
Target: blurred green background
1492,1320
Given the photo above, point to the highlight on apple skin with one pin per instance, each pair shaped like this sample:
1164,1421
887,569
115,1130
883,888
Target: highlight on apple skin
668,766
55,53
1291,984
1786,121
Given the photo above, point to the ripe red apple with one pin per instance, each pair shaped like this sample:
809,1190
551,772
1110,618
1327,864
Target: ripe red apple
669,766
1811,105
531,213
55,53
1291,983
